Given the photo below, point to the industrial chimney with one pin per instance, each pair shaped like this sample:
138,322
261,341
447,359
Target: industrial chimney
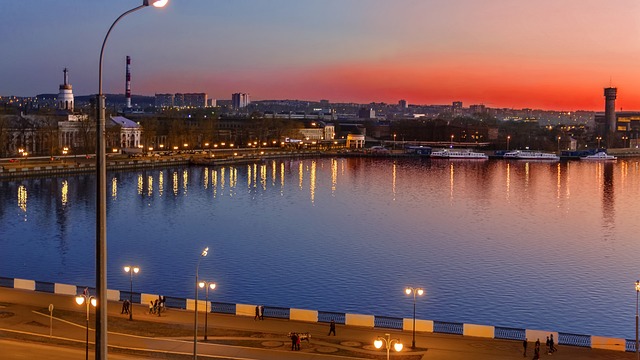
128,83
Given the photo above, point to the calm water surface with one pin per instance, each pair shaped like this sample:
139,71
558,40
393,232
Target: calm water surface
530,245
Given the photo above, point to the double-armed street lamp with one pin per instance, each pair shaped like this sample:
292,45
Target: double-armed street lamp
414,291
206,285
131,270
599,138
101,197
88,300
388,342
195,321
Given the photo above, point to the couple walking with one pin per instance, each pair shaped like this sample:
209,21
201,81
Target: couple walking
259,313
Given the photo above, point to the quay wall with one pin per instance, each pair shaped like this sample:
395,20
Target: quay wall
315,316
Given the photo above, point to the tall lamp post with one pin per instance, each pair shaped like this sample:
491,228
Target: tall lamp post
508,139
637,292
131,270
101,199
89,300
414,291
195,321
206,285
388,342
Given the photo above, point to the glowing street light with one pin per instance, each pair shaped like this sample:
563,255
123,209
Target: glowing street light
388,342
637,292
131,270
599,138
508,139
206,285
414,291
101,197
85,298
195,322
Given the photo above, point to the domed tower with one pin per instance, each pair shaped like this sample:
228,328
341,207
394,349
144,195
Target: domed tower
65,96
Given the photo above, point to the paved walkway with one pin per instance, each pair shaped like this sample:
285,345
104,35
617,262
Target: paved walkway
24,334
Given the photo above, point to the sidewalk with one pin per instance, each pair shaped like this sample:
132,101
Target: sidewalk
24,317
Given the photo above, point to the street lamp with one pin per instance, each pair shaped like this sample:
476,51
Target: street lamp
101,198
89,300
131,270
414,291
559,144
206,285
195,322
637,292
452,141
599,138
388,342
394,141
508,139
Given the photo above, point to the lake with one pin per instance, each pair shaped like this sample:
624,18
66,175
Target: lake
549,245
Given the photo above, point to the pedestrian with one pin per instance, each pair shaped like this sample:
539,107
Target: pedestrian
258,314
124,307
155,307
524,345
552,347
536,353
261,312
151,307
548,347
297,341
127,309
332,328
293,341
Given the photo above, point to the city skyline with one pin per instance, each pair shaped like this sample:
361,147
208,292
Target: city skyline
543,55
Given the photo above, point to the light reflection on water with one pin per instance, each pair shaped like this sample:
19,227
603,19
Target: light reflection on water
535,245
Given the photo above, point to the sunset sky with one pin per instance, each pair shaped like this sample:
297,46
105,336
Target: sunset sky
547,54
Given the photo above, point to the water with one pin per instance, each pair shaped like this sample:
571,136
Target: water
547,246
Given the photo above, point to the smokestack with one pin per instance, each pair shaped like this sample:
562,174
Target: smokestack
128,83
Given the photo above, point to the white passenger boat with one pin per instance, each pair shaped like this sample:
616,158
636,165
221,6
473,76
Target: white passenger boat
531,155
599,156
458,154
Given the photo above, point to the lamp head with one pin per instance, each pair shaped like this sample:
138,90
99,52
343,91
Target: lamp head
638,285
155,3
205,252
420,292
212,286
94,301
397,346
127,268
408,291
79,300
377,343
136,269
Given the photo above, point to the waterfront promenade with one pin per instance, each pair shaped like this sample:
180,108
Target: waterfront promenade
24,333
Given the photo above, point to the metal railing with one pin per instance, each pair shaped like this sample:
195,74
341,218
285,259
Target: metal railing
327,316
448,327
388,322
223,308
507,333
574,340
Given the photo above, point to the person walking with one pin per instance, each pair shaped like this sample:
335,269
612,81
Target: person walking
293,341
124,307
332,328
261,312
298,342
151,307
536,350
548,348
552,346
258,314
524,345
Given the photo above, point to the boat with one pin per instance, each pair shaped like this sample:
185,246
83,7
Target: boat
530,155
599,156
458,154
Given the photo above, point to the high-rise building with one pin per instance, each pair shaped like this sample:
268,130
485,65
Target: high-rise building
403,104
240,100
127,82
194,100
164,100
65,96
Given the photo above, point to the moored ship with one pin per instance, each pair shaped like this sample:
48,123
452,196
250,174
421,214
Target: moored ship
458,154
530,155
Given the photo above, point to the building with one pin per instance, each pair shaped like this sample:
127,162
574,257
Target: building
164,100
240,100
65,96
129,134
402,104
366,113
618,128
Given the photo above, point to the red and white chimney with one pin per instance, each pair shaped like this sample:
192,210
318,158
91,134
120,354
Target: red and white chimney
128,83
